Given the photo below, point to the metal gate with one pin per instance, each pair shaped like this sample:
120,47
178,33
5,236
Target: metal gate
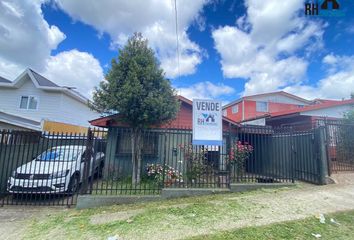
46,168
340,145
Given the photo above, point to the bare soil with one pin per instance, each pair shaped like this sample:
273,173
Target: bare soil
268,207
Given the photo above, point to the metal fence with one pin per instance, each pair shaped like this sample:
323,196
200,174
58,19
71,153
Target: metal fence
52,169
45,169
340,145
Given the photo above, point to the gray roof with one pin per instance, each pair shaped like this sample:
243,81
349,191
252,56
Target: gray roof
4,80
42,81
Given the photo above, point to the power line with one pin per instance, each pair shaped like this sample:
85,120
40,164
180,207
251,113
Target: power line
177,40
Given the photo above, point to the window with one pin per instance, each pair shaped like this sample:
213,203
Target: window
234,109
28,102
224,113
150,142
261,106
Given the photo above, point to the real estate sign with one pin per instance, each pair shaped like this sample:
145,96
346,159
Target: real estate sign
207,122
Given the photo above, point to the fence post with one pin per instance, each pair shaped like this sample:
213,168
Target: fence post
87,162
322,155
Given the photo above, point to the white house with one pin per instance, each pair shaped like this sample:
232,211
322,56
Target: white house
32,99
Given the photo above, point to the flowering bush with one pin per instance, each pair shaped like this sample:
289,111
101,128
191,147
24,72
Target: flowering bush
196,161
239,153
156,172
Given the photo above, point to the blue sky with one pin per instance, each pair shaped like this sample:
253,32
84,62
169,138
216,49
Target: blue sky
228,48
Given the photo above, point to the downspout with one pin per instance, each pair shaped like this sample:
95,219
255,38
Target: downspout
243,109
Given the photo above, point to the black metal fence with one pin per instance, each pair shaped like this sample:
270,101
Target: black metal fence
340,145
45,169
52,169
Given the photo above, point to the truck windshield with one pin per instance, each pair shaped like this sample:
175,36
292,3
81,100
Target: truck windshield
58,155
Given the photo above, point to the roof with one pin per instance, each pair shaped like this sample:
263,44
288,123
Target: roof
20,121
267,94
4,80
102,122
43,83
324,105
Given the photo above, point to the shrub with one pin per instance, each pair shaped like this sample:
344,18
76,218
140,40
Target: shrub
157,171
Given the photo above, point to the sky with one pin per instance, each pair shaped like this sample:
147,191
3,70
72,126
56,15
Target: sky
227,48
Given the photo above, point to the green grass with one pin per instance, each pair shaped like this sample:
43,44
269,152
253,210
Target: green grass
204,217
301,229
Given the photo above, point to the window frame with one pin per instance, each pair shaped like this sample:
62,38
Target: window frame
233,108
28,102
127,151
258,107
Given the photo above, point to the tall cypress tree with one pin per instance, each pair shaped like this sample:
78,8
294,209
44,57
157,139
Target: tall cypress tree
137,89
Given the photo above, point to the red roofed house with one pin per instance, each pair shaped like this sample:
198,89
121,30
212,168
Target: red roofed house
305,117
252,107
160,143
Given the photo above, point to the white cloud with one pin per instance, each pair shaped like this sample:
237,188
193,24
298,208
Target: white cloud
262,46
155,19
75,69
206,90
338,84
26,40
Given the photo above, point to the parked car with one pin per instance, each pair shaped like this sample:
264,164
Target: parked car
57,170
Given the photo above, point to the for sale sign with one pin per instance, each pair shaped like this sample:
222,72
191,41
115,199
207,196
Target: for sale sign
207,122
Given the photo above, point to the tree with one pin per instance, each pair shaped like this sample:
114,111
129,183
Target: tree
136,88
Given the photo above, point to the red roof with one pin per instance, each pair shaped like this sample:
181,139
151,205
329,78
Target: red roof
105,121
326,104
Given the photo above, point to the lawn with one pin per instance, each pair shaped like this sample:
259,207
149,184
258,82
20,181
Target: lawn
224,216
300,229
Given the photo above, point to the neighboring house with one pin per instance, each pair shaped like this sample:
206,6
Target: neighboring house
33,102
251,107
307,116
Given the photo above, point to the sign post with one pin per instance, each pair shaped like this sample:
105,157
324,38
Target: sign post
207,122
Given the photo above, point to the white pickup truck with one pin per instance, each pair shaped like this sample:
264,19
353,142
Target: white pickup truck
57,170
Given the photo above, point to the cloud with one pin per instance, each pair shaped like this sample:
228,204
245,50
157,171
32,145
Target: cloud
206,90
75,69
26,40
338,83
155,19
263,49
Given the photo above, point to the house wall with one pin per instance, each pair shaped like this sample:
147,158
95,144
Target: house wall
10,127
332,112
75,112
250,110
52,105
47,101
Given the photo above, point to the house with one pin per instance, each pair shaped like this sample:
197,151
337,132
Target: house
160,143
252,107
32,102
307,116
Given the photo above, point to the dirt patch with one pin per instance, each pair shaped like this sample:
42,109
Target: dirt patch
343,178
14,220
113,217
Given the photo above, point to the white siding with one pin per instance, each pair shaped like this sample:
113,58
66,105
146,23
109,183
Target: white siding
54,106
335,112
75,112
48,102
277,98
